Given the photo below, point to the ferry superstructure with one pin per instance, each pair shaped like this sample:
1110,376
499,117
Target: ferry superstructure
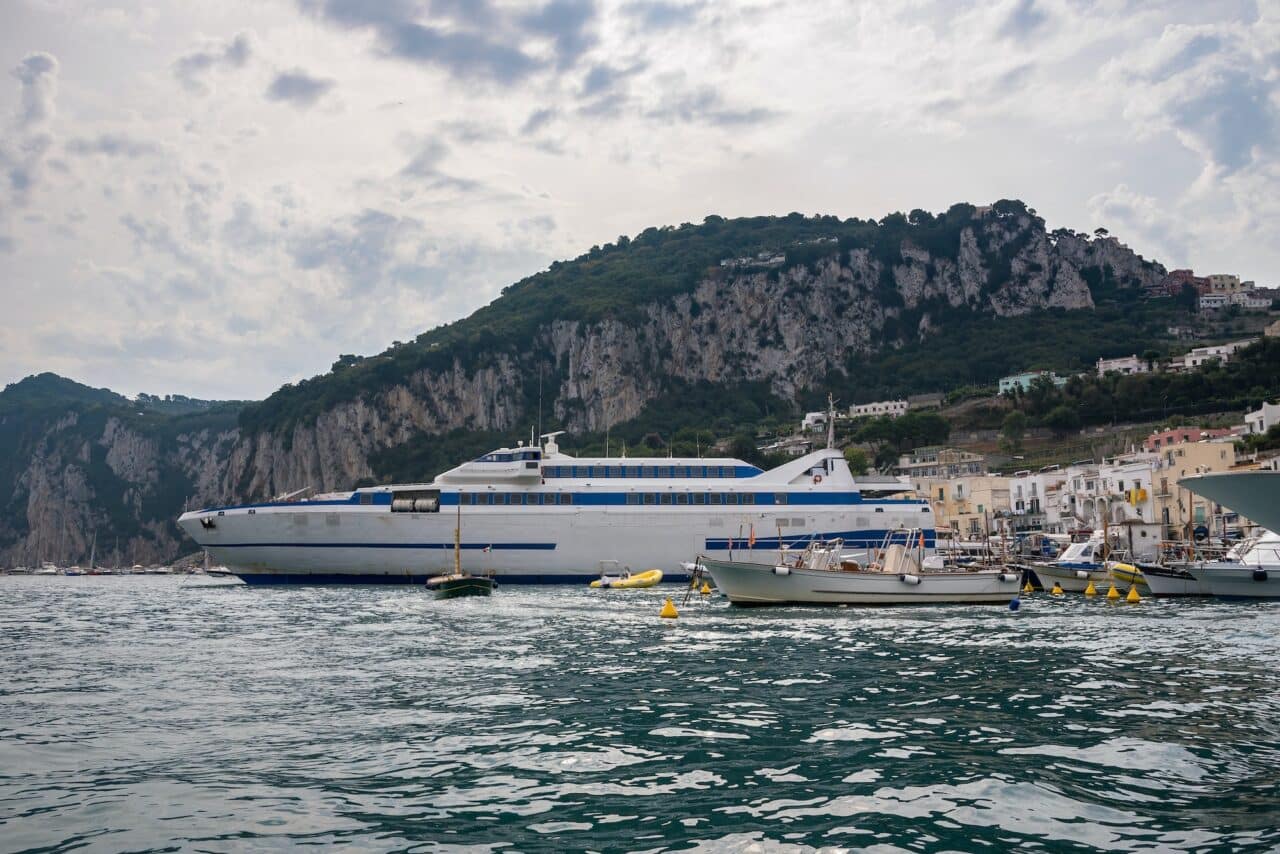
536,515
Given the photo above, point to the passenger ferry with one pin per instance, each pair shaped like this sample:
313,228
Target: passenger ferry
534,515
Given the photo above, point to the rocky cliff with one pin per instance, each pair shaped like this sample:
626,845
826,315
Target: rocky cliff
790,314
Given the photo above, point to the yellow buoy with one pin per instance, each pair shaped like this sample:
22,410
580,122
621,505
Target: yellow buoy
1057,589
1028,589
1091,590
706,589
1113,593
668,610
1133,595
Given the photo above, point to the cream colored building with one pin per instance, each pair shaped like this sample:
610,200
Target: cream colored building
965,505
1179,511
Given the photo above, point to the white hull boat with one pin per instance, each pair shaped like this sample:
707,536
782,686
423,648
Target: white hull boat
1079,565
822,576
1255,574
1072,579
1172,581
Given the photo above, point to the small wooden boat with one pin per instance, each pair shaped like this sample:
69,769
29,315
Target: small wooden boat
458,583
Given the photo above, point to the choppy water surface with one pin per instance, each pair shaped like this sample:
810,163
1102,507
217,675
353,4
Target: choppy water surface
144,714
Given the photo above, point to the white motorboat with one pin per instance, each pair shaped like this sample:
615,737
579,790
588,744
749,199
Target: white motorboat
1255,574
1172,580
1079,565
47,568
822,574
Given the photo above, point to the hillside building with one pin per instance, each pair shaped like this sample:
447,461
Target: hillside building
813,422
1122,365
932,400
1031,494
1024,380
1198,356
1251,300
965,505
1263,419
1179,511
890,408
936,462
1226,283
1178,435
1171,285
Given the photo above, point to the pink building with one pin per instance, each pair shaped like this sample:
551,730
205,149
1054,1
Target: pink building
1178,435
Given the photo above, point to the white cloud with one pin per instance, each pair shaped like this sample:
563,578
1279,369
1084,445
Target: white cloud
368,171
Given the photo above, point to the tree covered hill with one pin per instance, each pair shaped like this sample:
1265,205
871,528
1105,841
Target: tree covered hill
994,250
667,341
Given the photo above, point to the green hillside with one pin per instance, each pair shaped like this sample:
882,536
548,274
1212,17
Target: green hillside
616,280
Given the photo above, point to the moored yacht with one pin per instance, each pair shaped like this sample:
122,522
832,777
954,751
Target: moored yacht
824,573
1253,573
540,515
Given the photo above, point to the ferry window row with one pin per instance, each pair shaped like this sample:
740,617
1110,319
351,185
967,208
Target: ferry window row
639,471
510,498
691,498
510,457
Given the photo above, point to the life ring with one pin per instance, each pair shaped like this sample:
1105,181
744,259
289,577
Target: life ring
817,478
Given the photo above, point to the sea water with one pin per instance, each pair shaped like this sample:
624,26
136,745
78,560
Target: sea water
148,714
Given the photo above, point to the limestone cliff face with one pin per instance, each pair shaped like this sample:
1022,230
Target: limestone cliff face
786,325
82,478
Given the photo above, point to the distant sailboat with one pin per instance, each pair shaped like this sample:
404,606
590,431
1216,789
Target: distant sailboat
459,583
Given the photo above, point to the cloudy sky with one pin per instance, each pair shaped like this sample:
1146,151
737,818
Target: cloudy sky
212,198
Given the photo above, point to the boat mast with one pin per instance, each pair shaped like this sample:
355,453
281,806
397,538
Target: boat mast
457,540
831,422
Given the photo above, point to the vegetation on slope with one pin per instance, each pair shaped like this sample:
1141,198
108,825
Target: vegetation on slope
618,279
1243,383
31,409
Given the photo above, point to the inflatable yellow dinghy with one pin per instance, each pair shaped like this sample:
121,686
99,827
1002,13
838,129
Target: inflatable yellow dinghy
630,581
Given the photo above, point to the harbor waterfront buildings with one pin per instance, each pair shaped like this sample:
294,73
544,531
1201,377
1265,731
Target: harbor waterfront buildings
1134,493
964,504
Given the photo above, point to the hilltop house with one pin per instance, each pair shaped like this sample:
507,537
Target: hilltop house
1122,365
890,408
1024,380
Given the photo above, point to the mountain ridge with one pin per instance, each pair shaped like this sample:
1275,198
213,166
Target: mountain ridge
765,312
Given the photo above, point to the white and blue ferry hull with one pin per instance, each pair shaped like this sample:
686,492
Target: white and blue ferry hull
301,544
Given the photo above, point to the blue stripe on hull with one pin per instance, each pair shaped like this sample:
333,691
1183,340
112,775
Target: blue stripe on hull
272,578
465,546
